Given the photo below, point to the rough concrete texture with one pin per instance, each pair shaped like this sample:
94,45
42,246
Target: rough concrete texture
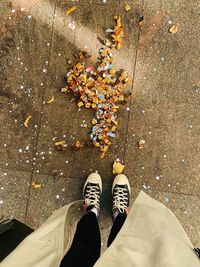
36,44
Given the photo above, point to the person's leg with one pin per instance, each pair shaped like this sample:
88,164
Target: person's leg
117,225
86,245
121,193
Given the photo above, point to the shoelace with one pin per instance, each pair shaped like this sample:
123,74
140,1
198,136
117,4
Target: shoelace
120,199
92,196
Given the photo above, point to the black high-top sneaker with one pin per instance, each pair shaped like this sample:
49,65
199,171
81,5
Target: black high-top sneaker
92,191
121,193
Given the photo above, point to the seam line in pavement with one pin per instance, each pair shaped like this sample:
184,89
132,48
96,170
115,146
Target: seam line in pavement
41,112
133,75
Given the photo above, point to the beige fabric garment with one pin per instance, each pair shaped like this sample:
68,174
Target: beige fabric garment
150,237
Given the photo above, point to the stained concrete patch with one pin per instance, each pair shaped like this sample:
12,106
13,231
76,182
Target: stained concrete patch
14,190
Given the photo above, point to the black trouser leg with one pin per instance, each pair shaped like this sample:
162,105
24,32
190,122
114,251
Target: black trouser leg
86,246
119,221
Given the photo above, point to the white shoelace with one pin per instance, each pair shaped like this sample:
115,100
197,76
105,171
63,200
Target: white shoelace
120,199
92,197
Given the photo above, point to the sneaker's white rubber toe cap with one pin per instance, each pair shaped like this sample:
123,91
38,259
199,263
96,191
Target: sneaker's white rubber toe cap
94,178
121,179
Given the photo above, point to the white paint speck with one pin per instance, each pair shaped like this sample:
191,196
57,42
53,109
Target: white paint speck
57,196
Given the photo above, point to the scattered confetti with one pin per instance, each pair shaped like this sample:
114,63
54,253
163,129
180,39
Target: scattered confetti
36,186
71,25
146,187
61,146
50,101
118,34
166,199
27,121
77,145
141,143
70,10
173,29
162,59
118,167
101,90
157,177
127,7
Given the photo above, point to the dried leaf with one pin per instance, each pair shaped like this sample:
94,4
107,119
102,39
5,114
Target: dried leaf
173,29
50,100
118,167
27,121
70,10
77,145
